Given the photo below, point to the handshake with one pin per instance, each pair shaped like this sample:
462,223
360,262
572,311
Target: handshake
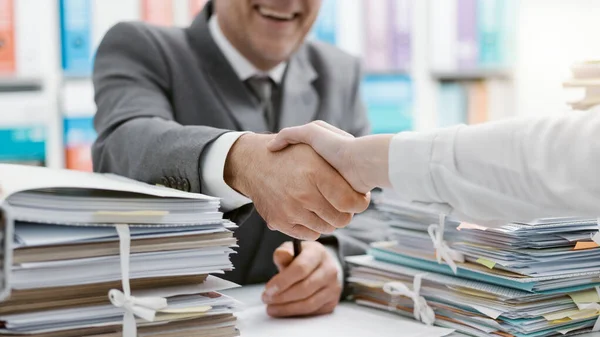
308,180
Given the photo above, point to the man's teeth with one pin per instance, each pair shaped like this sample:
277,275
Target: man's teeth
275,14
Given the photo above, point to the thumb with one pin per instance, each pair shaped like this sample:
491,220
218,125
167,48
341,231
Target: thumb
289,136
283,256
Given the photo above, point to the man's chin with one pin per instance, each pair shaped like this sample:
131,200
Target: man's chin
275,54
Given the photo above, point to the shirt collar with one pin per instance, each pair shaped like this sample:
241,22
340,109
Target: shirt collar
242,67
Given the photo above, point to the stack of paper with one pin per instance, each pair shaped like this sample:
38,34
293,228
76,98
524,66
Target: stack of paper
584,86
101,255
535,279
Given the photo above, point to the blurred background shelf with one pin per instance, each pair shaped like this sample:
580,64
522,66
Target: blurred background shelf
20,84
426,63
472,75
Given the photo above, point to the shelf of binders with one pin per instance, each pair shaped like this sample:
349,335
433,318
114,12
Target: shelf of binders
24,126
20,84
27,101
83,24
380,33
472,48
20,47
472,75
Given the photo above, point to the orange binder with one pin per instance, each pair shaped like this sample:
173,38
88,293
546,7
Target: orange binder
158,12
79,158
7,37
478,103
195,7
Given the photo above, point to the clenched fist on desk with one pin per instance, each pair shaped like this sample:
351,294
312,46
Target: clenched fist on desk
306,285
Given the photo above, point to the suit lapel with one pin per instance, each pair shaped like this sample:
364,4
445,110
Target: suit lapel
299,99
232,92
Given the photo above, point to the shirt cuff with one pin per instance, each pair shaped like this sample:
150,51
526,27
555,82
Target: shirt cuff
412,156
212,166
334,254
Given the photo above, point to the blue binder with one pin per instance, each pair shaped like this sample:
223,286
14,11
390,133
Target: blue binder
389,102
76,36
27,143
324,28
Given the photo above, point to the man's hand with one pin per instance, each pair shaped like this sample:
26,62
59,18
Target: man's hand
294,190
305,285
363,162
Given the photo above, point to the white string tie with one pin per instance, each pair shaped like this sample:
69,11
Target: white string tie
422,311
143,307
442,250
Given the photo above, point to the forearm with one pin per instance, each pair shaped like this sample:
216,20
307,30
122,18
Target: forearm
512,170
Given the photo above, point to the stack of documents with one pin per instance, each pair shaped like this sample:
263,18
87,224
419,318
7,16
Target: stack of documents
88,254
583,88
408,224
527,279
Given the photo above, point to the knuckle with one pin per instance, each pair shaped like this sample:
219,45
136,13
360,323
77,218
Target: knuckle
331,273
343,220
304,196
364,203
313,303
313,236
329,308
304,286
303,269
328,229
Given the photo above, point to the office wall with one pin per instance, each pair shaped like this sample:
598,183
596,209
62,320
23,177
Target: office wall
552,34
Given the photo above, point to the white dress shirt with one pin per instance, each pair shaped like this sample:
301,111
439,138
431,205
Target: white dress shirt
212,162
518,169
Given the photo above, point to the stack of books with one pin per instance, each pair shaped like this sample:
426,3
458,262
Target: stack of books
520,279
584,85
89,254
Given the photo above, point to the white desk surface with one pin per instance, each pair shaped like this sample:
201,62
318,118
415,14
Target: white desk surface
254,322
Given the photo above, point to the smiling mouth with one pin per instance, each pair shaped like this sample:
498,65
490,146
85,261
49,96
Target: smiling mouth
272,14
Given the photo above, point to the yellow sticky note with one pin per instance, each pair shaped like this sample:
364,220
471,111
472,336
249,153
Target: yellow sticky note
585,245
133,213
486,262
586,296
584,314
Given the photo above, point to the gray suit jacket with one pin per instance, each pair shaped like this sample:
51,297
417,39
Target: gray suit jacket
164,94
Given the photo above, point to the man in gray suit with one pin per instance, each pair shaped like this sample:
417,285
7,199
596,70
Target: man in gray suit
191,109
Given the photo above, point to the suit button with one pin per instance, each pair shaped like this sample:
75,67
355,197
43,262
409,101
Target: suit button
172,182
164,181
186,185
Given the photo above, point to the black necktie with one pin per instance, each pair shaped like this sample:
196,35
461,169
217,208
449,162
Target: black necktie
262,87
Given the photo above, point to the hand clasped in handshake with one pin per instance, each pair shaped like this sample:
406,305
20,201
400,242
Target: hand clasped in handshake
294,189
363,162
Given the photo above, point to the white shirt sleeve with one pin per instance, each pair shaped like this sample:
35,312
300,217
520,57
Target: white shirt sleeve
518,169
212,166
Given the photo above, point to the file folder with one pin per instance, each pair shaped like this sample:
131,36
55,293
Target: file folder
76,35
7,38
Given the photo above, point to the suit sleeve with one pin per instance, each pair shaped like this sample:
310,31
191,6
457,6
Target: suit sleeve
137,134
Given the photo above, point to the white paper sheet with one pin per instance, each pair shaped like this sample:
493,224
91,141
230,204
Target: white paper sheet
16,178
348,320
